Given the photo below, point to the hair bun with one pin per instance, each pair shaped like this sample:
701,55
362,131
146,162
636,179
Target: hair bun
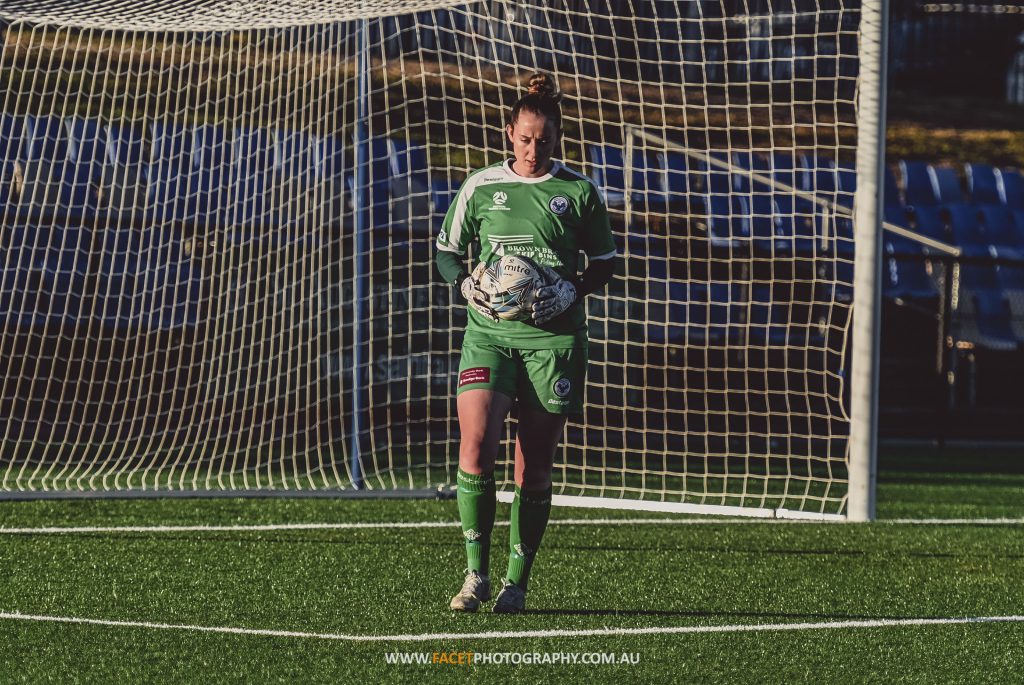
544,85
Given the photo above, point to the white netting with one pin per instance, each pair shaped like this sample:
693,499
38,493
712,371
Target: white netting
185,293
205,15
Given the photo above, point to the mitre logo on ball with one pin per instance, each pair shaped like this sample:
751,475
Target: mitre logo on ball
511,283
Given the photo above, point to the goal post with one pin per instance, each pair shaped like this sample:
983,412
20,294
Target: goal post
218,220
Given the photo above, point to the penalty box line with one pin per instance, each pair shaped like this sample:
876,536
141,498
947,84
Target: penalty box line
240,528
596,632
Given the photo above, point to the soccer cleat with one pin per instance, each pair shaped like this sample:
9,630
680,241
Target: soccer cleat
475,590
511,600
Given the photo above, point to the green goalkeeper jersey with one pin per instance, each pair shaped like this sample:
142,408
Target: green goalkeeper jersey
549,219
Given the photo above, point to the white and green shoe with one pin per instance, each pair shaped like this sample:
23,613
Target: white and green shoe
511,599
475,590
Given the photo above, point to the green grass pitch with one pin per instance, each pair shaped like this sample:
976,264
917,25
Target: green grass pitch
397,581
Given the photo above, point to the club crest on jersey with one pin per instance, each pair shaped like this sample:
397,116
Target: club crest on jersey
562,387
559,205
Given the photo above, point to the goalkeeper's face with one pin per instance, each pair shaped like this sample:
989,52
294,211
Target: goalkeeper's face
534,138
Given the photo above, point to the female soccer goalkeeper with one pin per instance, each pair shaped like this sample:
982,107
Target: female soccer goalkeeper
534,206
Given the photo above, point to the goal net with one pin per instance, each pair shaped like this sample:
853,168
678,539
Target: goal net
218,223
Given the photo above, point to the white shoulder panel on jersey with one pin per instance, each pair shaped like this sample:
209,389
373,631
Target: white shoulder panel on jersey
483,177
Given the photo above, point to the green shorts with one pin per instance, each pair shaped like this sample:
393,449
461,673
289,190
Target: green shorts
545,380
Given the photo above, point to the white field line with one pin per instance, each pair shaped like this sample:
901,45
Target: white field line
518,634
68,530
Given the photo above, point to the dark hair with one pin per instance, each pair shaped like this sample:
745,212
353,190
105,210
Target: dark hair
542,98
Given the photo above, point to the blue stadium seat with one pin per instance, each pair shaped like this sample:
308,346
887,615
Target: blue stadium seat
146,282
984,318
905,275
251,178
999,230
45,139
712,179
967,231
608,169
1011,280
410,186
125,145
205,185
679,186
846,185
786,169
12,131
169,173
946,184
118,278
87,144
769,317
46,189
81,178
725,312
43,275
842,227
892,191
332,166
66,266
1011,188
931,221
728,222
749,161
900,245
408,164
982,183
906,278
20,278
766,224
821,174
379,179
297,173
442,195
126,170
171,288
917,184
680,317
800,225
1018,223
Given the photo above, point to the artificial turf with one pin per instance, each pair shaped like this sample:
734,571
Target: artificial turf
397,581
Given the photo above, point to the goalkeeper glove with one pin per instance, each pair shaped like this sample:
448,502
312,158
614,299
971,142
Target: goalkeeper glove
554,298
477,298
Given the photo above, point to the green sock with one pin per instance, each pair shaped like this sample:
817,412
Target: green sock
476,509
530,510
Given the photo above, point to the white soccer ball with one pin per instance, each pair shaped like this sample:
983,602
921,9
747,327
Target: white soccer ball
512,282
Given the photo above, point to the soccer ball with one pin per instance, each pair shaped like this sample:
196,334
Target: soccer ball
512,282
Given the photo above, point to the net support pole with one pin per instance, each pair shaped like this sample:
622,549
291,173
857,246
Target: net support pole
361,203
867,262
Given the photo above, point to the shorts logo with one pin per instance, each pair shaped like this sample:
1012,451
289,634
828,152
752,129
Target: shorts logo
559,205
478,375
562,387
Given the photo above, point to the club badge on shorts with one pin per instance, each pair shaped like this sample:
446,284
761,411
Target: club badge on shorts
562,387
559,205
